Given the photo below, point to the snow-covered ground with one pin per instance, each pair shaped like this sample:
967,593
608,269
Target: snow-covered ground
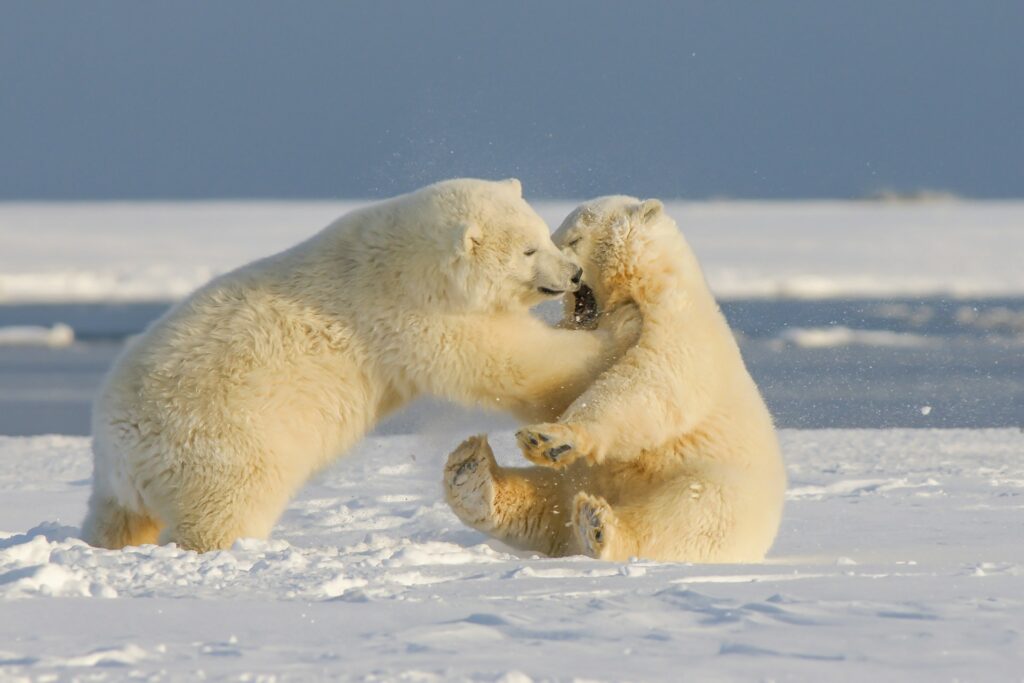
161,251
900,558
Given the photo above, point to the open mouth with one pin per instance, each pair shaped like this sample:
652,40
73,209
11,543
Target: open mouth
550,292
584,312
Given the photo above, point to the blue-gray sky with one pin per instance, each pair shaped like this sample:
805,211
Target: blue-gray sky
314,99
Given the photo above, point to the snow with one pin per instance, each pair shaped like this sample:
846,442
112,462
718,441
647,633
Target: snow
839,335
36,335
124,251
899,559
899,556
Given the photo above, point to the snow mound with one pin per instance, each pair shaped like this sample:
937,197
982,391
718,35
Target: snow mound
33,335
136,251
828,337
157,282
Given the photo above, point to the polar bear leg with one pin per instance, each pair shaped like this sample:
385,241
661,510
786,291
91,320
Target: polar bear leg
599,531
108,524
657,525
215,517
209,529
684,519
518,506
552,444
469,482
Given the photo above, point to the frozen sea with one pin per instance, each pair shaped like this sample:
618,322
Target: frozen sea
888,339
833,363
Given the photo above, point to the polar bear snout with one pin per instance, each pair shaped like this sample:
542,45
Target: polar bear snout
557,275
575,278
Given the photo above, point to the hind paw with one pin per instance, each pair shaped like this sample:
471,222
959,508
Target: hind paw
469,481
594,523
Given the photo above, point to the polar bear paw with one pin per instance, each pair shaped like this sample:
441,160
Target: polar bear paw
548,445
469,481
594,523
625,322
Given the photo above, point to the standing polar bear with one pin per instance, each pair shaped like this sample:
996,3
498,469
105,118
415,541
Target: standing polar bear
671,453
210,421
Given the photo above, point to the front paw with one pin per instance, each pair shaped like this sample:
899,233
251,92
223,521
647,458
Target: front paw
548,445
625,323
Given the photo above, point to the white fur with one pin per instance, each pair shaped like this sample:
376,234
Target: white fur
671,453
209,422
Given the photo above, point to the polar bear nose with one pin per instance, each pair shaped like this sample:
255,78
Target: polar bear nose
578,276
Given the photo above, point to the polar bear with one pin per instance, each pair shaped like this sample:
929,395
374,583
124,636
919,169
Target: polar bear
210,421
671,454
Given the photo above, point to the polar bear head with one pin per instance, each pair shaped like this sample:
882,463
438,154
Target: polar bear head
488,247
624,245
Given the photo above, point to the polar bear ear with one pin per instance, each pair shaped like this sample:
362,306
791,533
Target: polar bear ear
648,210
515,185
469,236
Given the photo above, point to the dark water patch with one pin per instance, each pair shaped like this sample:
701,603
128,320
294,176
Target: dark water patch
754,318
970,373
934,317
971,383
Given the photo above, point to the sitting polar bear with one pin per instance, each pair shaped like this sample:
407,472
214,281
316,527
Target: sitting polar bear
671,453
211,420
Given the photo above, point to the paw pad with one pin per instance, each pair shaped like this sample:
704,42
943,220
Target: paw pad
593,517
463,471
548,445
554,453
469,482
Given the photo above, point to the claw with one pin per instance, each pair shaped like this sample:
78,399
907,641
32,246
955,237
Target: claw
554,453
592,516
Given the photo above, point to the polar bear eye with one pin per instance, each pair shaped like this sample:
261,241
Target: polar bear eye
529,252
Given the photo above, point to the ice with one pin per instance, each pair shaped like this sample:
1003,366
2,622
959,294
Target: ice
899,556
141,251
839,335
35,335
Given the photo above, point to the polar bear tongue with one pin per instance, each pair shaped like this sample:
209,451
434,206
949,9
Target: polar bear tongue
585,307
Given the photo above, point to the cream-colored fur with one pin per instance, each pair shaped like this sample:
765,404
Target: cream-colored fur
210,421
671,453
